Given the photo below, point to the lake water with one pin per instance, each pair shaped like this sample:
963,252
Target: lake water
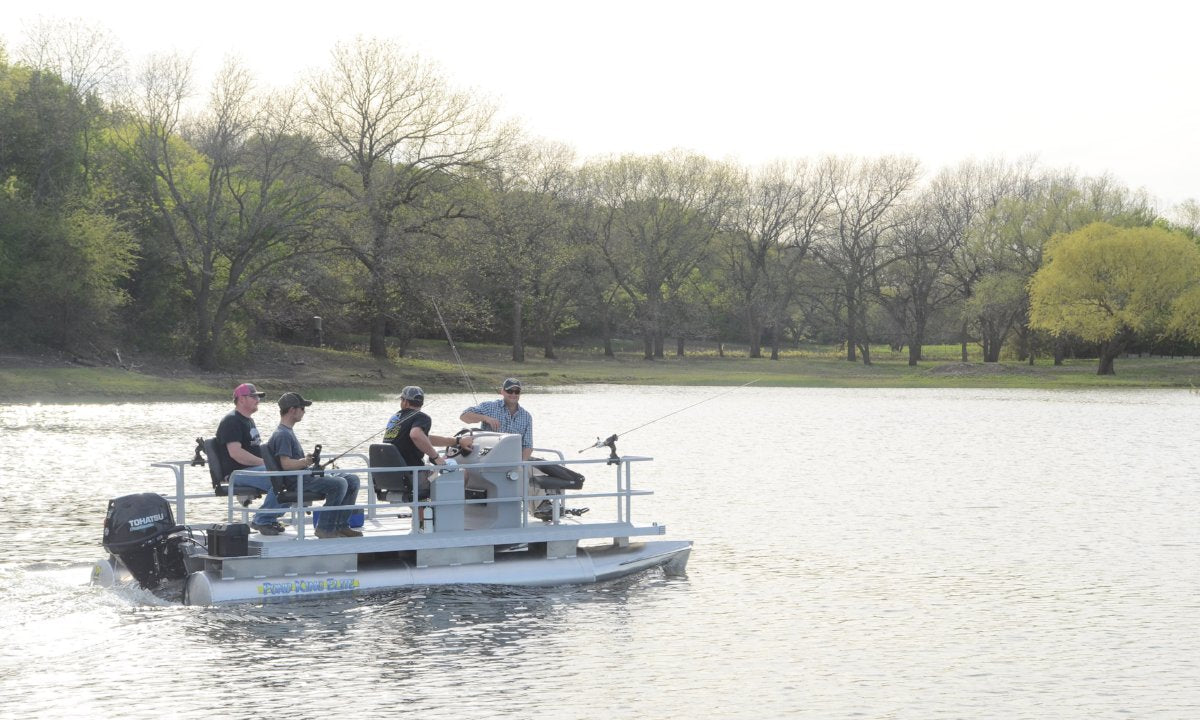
858,554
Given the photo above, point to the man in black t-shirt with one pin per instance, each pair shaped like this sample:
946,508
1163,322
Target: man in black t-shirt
408,430
239,447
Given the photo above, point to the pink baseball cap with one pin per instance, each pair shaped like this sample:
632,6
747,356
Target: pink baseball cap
246,389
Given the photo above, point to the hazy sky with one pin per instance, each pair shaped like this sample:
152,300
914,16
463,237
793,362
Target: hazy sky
1094,86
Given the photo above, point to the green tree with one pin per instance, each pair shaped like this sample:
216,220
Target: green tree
654,220
522,214
228,190
1014,233
1107,284
63,259
996,302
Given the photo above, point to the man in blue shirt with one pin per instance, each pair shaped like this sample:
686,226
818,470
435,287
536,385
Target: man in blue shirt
338,488
505,415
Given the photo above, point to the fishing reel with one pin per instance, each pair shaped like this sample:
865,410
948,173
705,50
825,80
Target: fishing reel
611,443
318,468
198,458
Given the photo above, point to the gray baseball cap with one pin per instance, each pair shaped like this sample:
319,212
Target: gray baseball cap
413,394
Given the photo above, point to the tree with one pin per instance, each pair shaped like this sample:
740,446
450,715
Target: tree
88,58
405,142
913,282
770,228
89,61
62,259
997,301
1015,233
865,193
42,124
228,189
524,220
599,299
657,216
1107,284
965,197
1185,217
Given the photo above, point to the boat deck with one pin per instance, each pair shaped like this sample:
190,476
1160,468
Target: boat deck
382,535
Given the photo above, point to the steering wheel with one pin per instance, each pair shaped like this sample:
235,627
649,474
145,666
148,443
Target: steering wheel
456,450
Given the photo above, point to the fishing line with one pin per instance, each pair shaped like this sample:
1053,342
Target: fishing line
611,440
327,463
454,350
457,359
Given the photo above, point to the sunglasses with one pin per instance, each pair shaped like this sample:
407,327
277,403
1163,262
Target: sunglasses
514,391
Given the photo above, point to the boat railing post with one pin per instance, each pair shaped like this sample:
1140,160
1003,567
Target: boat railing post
414,501
628,467
525,499
617,495
298,508
370,494
229,495
180,495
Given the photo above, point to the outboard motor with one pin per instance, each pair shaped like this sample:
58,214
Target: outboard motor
138,529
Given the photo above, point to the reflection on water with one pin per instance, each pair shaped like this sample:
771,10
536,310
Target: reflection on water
859,553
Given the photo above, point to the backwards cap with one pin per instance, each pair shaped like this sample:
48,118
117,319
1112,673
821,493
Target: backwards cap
413,394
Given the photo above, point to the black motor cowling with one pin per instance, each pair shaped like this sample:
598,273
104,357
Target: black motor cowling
138,529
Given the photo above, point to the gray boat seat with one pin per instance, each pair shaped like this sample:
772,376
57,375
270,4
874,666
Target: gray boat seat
552,476
218,475
285,487
396,485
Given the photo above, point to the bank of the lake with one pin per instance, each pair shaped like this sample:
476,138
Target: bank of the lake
340,374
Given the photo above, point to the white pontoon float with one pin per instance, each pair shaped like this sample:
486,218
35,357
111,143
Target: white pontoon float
474,528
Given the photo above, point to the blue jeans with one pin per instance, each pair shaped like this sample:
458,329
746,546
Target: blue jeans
338,489
269,502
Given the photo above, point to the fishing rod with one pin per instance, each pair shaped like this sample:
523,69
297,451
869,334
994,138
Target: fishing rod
454,350
322,465
610,442
446,328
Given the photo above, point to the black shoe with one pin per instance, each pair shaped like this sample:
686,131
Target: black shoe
272,528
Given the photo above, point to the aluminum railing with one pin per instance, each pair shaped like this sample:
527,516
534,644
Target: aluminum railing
623,494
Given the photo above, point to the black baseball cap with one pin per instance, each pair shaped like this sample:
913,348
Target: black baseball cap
290,400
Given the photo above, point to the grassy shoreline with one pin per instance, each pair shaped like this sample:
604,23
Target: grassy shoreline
332,374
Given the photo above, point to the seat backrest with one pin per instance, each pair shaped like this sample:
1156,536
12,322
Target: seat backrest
395,482
215,473
285,485
552,476
271,463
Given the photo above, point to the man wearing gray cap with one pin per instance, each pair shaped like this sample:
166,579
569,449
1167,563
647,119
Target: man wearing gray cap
338,488
409,428
505,415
